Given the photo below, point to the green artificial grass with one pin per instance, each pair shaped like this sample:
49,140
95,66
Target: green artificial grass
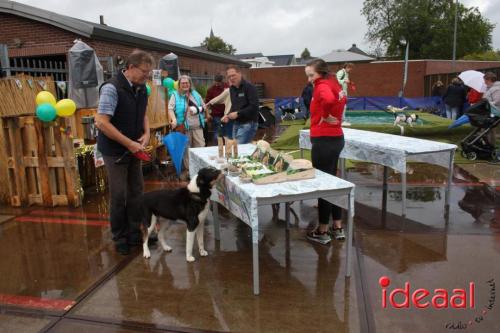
432,128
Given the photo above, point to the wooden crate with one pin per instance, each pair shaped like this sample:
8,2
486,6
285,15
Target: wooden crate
41,164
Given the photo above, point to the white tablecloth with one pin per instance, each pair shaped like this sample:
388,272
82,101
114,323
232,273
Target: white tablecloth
242,199
390,150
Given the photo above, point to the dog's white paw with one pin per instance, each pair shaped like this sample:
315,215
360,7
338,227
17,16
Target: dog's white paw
203,253
190,258
146,254
166,248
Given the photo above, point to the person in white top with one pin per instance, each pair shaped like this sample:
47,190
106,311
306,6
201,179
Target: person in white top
343,78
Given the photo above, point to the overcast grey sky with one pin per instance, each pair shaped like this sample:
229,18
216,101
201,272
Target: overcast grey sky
267,26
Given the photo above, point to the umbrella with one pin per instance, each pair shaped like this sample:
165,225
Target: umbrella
176,143
460,121
473,79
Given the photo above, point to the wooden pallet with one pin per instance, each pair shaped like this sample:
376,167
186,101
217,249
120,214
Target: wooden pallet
41,163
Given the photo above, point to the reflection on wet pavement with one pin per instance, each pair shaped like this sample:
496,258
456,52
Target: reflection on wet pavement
49,258
61,262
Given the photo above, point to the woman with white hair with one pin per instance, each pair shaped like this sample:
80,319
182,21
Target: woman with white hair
187,114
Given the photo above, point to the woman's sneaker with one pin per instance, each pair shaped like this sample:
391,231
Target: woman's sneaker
337,233
319,237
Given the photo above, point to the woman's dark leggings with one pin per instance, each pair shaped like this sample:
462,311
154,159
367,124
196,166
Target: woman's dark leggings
325,156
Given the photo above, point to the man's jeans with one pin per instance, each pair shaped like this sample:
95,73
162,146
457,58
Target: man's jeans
245,132
126,184
452,112
216,127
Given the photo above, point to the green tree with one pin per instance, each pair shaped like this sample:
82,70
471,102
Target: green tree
428,26
484,56
305,54
217,45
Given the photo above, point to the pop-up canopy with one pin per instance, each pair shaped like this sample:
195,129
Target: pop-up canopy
85,75
170,63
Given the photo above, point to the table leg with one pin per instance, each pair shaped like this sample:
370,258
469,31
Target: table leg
255,255
350,222
403,194
287,214
448,185
301,152
384,196
215,215
342,168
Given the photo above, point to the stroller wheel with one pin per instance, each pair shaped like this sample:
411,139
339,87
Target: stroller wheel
463,154
471,156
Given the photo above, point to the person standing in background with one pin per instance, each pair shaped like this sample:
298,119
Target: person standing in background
492,95
343,78
437,93
454,98
474,96
307,94
244,106
217,110
226,128
187,115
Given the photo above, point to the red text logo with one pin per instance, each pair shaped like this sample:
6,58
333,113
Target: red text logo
422,298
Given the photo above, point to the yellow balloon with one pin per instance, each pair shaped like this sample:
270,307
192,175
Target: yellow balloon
65,107
45,97
176,85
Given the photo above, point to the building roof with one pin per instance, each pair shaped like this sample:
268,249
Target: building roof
304,61
338,56
282,60
357,50
248,55
100,31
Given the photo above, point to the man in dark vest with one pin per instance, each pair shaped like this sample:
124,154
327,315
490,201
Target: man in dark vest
124,130
244,106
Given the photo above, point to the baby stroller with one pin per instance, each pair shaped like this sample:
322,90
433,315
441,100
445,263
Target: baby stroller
476,145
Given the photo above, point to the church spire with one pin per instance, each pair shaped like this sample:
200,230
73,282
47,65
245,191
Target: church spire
212,33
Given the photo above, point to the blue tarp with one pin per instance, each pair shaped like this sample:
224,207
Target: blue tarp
370,103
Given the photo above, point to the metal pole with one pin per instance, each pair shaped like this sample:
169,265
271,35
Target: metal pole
407,55
455,38
4,60
405,71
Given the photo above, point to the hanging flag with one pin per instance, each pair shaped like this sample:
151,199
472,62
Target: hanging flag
42,84
62,85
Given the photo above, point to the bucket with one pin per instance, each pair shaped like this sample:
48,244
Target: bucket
89,129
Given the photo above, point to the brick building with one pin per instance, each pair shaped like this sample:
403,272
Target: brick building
35,36
378,78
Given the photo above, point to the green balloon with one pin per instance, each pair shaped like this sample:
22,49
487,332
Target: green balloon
169,83
46,112
148,89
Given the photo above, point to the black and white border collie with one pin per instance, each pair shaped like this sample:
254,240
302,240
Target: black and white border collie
189,204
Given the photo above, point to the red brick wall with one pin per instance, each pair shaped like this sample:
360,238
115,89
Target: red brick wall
439,67
375,79
43,39
371,79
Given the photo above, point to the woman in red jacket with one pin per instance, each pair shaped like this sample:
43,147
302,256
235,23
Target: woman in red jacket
327,141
